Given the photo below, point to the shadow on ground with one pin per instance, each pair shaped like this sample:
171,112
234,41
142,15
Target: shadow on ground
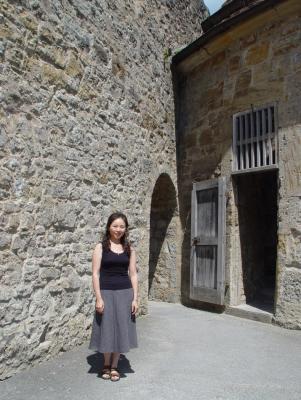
96,362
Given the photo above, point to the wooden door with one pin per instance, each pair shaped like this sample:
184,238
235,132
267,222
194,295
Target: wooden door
207,241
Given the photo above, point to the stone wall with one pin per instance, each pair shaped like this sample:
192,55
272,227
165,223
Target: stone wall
254,63
87,126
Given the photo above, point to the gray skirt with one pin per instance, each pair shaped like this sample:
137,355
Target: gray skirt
115,329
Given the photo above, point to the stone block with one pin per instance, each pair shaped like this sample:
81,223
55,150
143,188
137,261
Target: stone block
86,91
246,41
291,287
45,216
48,34
218,59
15,57
52,55
6,294
57,77
20,242
214,96
72,282
57,189
74,67
206,137
64,217
3,138
100,53
234,63
40,305
5,240
40,230
26,222
55,288
288,315
10,271
49,273
26,290
30,271
6,180
283,48
10,32
243,83
29,21
290,161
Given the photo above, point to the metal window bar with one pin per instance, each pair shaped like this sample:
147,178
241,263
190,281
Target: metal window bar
254,139
264,142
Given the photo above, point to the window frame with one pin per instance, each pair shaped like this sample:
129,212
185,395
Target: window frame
270,137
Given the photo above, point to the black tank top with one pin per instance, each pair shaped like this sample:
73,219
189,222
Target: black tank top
114,271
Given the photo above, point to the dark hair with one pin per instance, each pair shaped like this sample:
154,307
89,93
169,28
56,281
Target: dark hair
124,240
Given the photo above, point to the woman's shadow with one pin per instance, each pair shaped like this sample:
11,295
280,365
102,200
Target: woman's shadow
96,363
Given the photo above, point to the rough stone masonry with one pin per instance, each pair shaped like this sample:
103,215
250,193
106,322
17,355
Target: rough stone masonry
87,127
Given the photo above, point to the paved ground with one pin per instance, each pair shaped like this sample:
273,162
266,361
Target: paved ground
183,354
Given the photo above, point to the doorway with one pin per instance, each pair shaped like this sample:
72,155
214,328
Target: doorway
257,205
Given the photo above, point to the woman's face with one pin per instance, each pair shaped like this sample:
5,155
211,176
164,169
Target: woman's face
117,229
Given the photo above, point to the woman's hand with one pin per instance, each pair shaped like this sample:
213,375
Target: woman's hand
134,307
99,306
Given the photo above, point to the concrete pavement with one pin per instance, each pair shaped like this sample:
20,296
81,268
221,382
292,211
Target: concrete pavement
183,354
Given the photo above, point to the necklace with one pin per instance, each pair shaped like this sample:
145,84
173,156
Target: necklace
116,251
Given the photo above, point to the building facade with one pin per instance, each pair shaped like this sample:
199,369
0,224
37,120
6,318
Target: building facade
238,127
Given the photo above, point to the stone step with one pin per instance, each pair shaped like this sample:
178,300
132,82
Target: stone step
250,312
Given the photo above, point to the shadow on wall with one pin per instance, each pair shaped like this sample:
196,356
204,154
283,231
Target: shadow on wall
201,148
162,268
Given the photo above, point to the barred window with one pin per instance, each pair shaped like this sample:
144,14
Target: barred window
255,139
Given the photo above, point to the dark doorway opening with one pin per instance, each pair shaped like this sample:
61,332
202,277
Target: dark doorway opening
257,215
162,248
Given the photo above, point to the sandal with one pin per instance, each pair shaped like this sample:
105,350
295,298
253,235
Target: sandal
115,376
106,372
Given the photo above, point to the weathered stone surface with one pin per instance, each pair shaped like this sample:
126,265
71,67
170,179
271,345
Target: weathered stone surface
257,53
86,128
5,240
7,293
243,83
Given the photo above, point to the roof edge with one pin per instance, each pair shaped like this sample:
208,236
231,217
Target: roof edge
226,11
222,21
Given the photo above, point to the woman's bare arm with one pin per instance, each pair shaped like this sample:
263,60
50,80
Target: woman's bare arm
96,261
134,279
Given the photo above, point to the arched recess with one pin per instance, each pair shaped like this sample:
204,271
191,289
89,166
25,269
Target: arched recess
163,269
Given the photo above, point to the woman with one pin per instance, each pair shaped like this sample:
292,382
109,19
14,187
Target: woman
115,284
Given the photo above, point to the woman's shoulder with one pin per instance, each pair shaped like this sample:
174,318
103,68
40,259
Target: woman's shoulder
98,247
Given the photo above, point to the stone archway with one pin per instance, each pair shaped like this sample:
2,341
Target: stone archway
163,242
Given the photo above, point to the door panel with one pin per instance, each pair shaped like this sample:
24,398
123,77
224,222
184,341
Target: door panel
205,271
207,212
207,232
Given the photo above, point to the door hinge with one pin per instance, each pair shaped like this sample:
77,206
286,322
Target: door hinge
195,241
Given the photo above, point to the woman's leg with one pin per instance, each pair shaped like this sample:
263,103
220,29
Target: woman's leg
115,359
106,369
114,372
107,359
